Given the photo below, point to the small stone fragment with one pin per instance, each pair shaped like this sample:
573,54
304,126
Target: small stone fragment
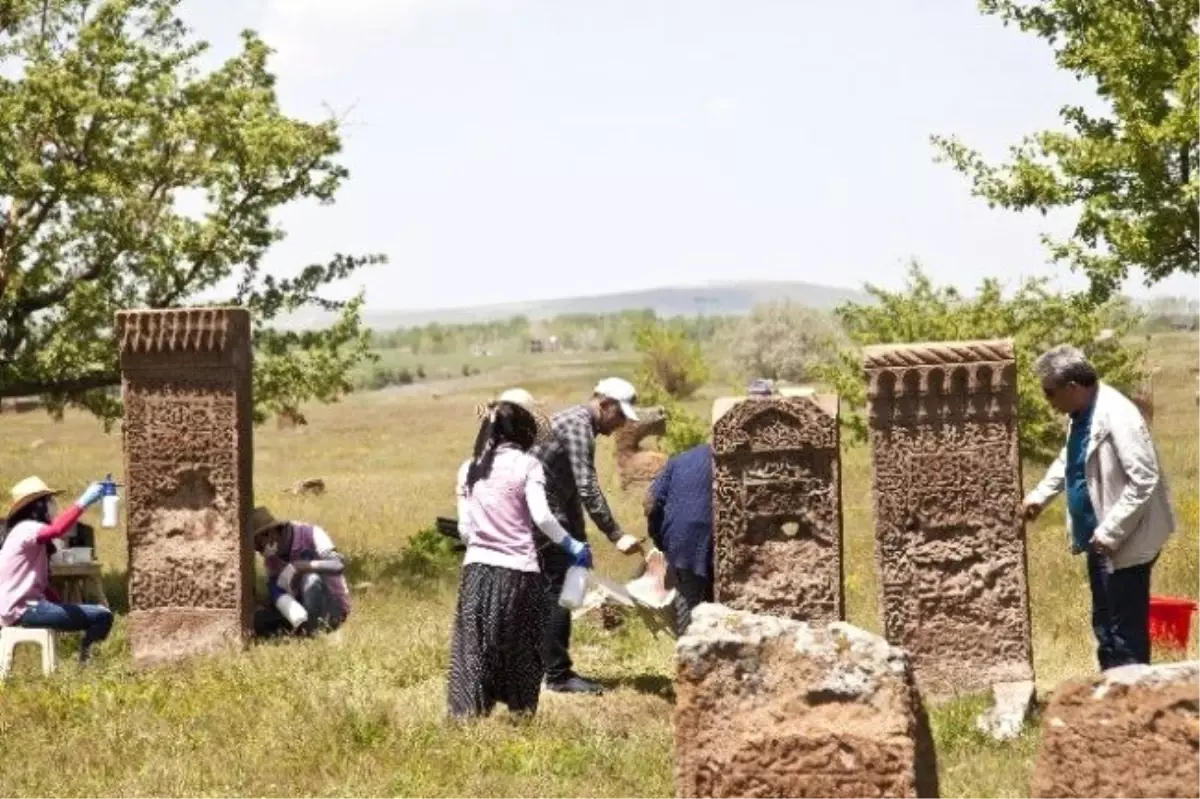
1011,703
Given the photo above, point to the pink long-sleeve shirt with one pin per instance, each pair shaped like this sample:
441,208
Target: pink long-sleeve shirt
24,564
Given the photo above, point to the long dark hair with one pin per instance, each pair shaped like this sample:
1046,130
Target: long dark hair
38,511
507,423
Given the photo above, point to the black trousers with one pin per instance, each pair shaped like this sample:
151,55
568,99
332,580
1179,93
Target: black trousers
324,613
1120,612
691,589
556,640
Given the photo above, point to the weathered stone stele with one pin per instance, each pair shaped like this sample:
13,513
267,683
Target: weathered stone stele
777,511
188,458
946,469
1130,731
774,707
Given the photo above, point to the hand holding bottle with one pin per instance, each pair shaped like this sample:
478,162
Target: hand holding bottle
91,495
579,551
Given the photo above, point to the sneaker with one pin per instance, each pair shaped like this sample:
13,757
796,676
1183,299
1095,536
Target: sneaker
574,685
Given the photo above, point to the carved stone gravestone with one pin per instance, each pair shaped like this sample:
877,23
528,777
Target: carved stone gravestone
774,707
1130,731
188,466
777,513
950,543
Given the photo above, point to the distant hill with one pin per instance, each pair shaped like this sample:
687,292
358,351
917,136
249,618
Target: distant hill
716,298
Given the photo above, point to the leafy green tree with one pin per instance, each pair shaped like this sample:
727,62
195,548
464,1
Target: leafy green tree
1131,168
129,179
671,361
673,368
1035,318
684,428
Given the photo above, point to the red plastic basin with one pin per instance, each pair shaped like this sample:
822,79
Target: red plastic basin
1171,620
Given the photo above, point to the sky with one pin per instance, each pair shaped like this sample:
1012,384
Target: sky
507,150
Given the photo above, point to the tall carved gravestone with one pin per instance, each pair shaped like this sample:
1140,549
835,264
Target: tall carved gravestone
777,511
188,460
950,544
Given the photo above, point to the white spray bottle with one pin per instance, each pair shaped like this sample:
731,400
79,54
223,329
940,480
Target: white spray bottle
108,506
574,588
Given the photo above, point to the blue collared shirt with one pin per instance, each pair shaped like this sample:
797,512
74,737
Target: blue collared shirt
1079,502
681,518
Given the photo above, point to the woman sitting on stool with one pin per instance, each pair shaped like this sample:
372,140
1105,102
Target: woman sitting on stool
26,597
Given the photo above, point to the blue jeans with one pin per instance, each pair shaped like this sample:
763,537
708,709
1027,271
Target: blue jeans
1120,612
94,621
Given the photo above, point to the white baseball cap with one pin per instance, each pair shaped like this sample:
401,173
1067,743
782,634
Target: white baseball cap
620,390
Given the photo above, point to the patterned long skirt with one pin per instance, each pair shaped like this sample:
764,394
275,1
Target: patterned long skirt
496,647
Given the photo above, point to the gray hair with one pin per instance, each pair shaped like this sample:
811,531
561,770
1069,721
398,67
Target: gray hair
1065,364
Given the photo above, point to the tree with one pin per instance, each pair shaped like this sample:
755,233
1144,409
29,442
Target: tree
1035,318
783,341
671,361
129,179
1130,169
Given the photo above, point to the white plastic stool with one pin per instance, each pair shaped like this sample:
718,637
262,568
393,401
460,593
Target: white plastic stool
11,636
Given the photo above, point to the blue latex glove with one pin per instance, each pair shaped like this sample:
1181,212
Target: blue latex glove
274,591
91,495
579,551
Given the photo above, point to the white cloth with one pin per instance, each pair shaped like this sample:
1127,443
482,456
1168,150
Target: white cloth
1125,482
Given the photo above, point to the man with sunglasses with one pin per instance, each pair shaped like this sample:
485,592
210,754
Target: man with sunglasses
1118,504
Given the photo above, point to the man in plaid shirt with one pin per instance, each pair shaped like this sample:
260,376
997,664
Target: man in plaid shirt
569,458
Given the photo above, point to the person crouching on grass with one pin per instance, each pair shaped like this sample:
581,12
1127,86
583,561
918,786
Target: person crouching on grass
496,645
301,562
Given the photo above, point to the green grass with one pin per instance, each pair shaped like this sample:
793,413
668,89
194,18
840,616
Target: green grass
362,712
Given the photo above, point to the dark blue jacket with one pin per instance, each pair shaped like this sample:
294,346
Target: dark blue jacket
680,510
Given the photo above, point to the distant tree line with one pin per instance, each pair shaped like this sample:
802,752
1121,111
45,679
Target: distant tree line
613,332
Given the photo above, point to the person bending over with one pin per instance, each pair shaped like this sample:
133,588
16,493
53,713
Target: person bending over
568,455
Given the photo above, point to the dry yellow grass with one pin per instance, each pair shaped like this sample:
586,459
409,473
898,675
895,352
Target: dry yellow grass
361,713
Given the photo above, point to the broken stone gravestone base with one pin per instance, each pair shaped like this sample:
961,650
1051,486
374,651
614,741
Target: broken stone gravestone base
777,511
768,706
188,459
1012,703
1129,731
946,469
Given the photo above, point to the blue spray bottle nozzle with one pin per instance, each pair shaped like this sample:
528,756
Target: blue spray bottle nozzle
110,488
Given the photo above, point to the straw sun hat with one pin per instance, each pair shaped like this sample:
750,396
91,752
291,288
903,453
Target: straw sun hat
29,490
523,399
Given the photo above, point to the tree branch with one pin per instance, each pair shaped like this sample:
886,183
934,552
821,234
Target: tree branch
67,387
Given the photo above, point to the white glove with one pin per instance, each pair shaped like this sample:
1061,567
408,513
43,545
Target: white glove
284,581
625,543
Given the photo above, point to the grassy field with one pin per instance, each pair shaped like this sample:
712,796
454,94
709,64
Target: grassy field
361,713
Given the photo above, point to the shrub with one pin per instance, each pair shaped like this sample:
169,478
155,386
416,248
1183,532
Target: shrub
672,364
429,554
783,341
1035,318
684,429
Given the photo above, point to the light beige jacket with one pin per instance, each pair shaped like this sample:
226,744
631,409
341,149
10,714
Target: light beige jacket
1127,487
